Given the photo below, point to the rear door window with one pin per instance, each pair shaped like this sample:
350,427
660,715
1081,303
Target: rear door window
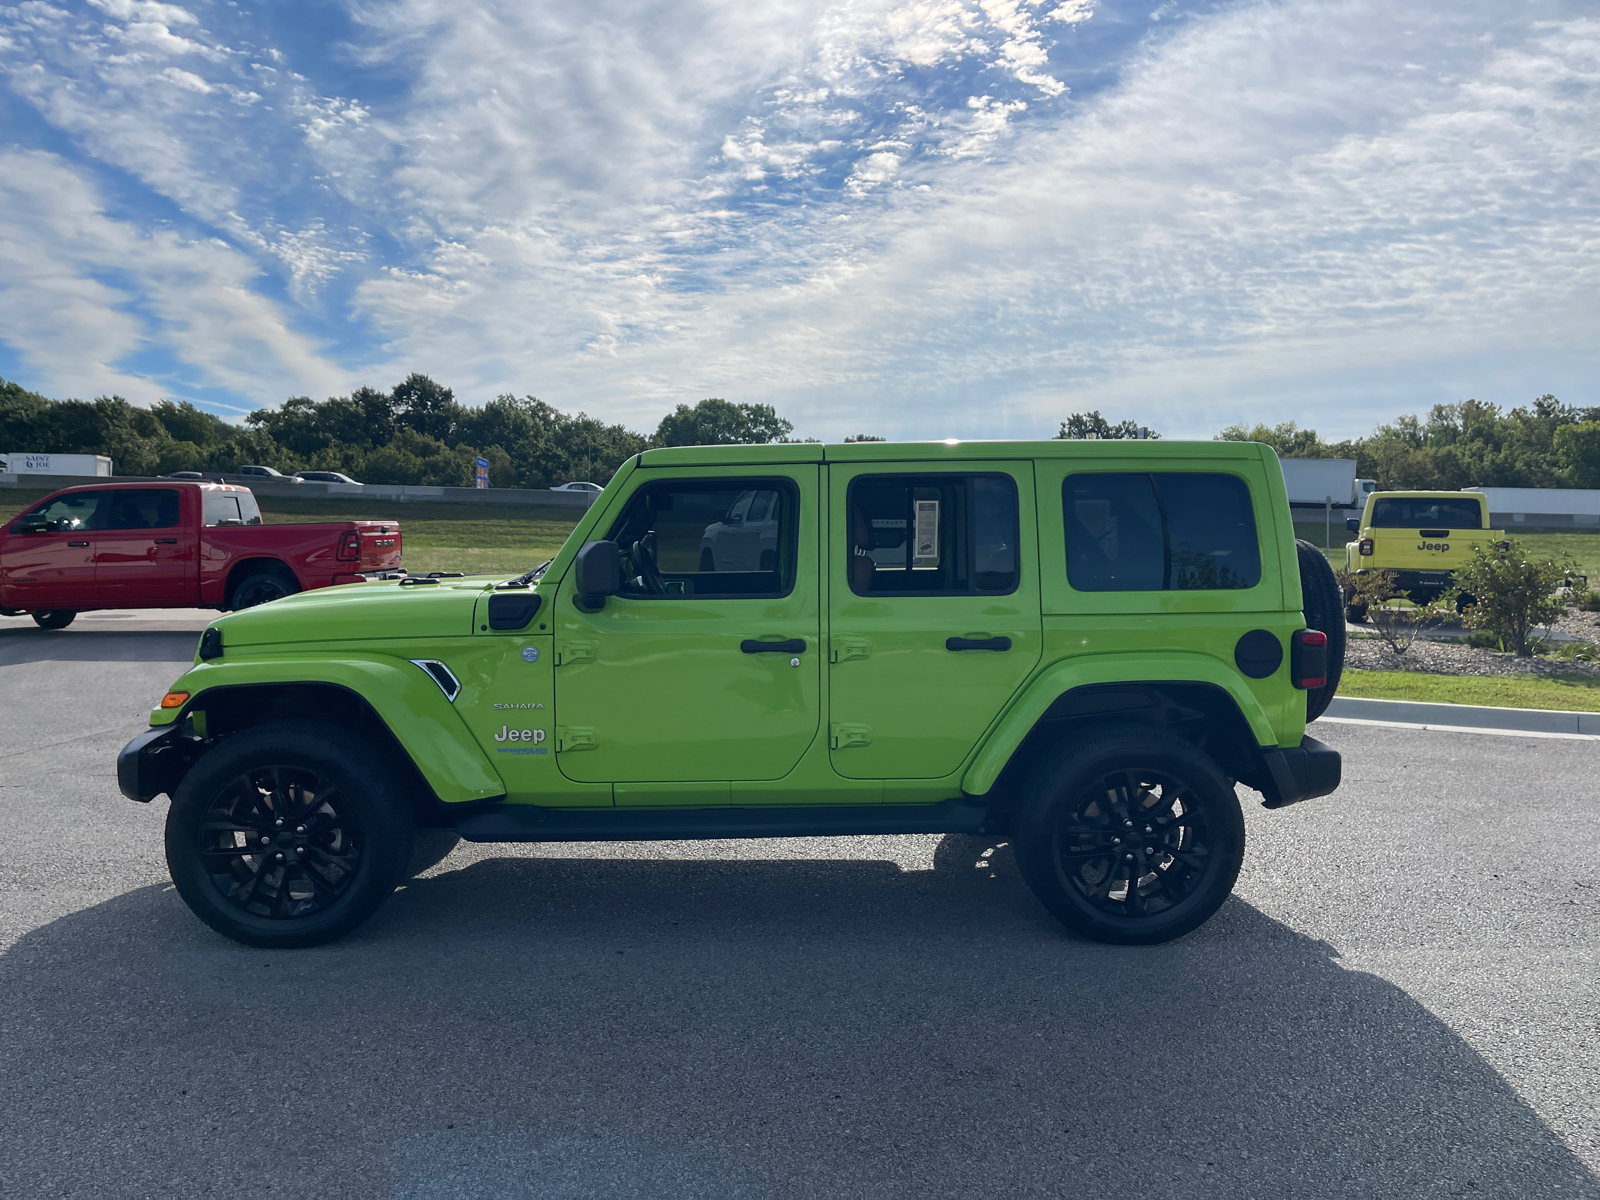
1160,531
139,508
918,535
1421,512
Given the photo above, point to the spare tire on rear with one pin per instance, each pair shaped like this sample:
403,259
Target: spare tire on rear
1323,604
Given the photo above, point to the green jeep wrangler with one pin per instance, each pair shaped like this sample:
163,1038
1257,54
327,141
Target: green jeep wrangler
1076,646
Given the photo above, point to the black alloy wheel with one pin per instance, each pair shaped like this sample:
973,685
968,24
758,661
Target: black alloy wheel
287,835
262,587
281,843
1131,836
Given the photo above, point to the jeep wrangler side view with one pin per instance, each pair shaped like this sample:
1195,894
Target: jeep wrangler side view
1423,537
1078,646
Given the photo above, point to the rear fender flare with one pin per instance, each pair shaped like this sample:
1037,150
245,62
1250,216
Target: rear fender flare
1009,732
404,697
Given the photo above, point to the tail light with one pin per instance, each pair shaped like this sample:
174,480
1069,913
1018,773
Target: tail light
1364,546
1308,658
350,547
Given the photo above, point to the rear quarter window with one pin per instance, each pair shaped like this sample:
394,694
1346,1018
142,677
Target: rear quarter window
1160,531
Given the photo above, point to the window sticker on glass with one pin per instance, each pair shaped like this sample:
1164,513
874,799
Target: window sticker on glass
926,555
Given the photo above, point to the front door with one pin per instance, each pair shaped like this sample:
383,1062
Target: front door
54,568
707,666
144,555
933,609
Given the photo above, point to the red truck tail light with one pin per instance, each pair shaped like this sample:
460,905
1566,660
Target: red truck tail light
1308,658
1364,546
350,547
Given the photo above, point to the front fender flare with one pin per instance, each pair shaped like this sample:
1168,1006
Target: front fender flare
404,696
1083,670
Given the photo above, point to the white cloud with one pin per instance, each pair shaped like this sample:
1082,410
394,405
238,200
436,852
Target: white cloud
81,293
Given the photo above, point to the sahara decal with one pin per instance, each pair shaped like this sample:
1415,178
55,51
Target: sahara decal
530,704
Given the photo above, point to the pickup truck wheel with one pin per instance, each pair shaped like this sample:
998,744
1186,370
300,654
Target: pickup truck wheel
1356,614
1130,836
262,587
1322,601
55,618
286,835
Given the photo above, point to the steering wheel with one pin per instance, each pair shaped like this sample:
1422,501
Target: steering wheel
644,561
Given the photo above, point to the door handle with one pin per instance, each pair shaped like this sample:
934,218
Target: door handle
166,541
792,646
77,543
994,643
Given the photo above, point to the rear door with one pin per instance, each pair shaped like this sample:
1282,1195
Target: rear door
933,609
55,567
145,554
706,667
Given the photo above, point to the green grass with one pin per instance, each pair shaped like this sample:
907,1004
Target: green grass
448,537
1572,692
479,540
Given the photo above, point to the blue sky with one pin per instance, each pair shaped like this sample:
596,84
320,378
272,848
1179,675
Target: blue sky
927,219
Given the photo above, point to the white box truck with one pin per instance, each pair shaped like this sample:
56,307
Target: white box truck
1326,492
22,463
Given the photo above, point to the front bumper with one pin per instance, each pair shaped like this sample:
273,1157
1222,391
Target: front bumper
154,762
1303,772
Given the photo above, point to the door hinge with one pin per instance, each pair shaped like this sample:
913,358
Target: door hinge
569,739
844,648
841,737
574,652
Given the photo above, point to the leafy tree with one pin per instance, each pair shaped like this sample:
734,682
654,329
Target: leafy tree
863,437
1510,594
1288,439
719,423
1577,449
428,408
1093,425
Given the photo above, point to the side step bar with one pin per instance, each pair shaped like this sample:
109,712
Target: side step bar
531,823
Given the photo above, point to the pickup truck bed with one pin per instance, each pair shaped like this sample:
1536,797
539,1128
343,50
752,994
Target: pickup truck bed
175,544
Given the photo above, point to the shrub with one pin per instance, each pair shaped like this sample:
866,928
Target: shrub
1510,594
1397,625
1590,601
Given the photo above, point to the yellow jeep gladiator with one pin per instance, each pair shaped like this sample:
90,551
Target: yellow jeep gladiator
1423,537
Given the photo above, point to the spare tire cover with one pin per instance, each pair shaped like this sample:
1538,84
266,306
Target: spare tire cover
1323,604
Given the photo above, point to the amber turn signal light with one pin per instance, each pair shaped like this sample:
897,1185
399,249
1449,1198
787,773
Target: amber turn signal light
174,699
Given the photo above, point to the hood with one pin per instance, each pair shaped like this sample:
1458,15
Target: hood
355,611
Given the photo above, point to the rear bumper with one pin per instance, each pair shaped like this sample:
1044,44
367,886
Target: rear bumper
152,763
1303,772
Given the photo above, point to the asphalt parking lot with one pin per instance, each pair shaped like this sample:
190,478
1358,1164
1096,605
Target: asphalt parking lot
1402,999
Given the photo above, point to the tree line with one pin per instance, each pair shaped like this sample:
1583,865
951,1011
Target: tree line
414,433
418,433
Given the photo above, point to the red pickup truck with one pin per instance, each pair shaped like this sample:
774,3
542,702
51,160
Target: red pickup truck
173,545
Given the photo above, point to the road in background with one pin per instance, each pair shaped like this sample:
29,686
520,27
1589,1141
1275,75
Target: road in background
1401,999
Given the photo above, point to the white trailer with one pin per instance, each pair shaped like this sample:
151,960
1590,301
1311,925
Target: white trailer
23,463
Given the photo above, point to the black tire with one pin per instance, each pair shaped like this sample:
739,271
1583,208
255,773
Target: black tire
429,848
708,563
1356,614
1324,608
348,831
1118,782
262,587
55,618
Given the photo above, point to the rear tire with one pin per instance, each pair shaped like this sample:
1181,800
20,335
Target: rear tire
262,587
1356,614
1130,836
287,835
1323,604
55,618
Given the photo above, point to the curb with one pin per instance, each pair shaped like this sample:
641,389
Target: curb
1468,718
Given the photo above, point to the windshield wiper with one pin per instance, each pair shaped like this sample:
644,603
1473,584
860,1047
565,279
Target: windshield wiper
528,577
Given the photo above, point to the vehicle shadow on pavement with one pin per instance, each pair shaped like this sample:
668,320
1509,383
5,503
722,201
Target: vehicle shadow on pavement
19,646
641,1026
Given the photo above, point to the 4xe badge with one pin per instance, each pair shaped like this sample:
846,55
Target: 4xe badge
530,654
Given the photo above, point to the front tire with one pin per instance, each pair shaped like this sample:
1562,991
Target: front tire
287,835
56,618
1130,836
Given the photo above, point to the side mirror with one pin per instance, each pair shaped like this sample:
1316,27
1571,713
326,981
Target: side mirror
597,573
32,523
1353,524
